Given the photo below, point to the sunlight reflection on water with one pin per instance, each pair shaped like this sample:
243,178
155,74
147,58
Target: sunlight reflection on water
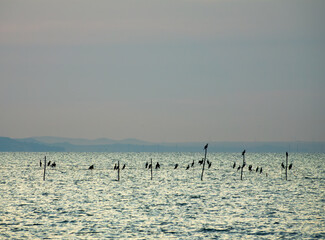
75,202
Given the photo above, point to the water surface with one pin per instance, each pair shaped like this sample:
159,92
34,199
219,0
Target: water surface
77,203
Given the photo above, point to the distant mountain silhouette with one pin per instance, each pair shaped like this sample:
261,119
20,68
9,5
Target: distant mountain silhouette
12,145
47,144
82,141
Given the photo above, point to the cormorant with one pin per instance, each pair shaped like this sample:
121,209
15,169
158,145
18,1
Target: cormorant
123,167
238,167
282,165
257,169
250,168
243,153
290,166
192,164
91,167
233,166
157,165
188,166
176,165
261,170
209,165
146,164
206,146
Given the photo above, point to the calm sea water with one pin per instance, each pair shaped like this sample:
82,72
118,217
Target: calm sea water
77,203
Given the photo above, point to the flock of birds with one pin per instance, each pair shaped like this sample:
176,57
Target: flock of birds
49,164
200,162
250,168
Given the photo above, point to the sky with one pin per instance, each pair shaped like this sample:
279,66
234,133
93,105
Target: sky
163,70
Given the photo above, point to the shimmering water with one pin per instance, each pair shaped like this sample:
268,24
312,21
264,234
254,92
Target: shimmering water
76,203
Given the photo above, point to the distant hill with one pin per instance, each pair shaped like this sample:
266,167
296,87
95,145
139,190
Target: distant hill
82,141
12,145
47,144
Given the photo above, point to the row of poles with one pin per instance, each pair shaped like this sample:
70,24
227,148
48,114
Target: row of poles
286,166
203,166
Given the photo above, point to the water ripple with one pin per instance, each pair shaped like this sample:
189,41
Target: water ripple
75,202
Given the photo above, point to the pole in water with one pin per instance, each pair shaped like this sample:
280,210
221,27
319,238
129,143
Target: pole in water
286,165
205,156
151,167
44,168
118,170
242,168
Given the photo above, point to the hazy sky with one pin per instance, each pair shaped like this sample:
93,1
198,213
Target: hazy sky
163,70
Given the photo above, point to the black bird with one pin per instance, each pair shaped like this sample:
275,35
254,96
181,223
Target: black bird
290,166
176,165
243,153
261,170
91,167
40,163
257,169
233,166
115,167
238,167
192,164
188,166
209,165
157,165
150,166
123,167
208,162
282,165
49,163
146,164
206,146
53,164
250,168
201,161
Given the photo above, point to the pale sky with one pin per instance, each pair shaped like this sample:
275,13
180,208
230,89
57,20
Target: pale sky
163,70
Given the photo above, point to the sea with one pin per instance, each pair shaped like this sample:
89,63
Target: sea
74,202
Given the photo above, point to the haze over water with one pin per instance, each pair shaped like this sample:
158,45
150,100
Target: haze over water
77,203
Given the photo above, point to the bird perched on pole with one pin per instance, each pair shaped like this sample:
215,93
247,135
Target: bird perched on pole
206,146
282,165
243,153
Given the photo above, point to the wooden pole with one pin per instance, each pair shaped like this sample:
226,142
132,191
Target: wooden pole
44,168
286,165
151,167
242,167
118,170
205,156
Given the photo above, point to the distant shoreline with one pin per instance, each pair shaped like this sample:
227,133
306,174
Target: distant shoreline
52,144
